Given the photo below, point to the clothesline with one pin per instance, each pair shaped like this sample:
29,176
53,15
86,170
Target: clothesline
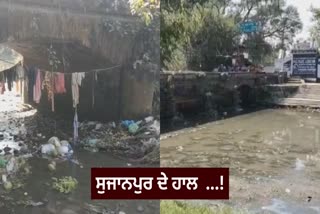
95,70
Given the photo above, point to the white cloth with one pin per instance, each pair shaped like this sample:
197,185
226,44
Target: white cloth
20,71
76,82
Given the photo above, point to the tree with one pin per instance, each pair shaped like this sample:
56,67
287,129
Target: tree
315,30
277,23
196,34
146,9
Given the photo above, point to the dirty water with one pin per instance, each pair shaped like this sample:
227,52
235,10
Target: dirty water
273,156
37,189
34,193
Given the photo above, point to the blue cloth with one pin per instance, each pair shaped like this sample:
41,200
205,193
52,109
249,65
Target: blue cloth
127,123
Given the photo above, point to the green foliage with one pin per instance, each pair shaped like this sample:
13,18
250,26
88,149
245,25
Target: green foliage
54,61
196,34
315,30
146,9
64,185
191,35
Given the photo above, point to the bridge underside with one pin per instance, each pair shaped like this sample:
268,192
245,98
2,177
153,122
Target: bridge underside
78,58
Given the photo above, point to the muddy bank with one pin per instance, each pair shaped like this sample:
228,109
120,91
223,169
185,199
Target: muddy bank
33,163
25,124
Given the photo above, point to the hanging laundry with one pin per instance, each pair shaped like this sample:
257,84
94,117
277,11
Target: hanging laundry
2,87
52,93
19,77
75,126
59,84
37,87
10,77
31,81
17,82
2,83
20,72
94,79
47,83
76,82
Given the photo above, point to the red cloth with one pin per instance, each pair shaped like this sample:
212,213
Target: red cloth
59,85
37,87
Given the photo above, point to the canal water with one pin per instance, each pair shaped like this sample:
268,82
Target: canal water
37,188
35,194
273,156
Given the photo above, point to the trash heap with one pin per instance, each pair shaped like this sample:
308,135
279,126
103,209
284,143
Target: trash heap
129,139
56,148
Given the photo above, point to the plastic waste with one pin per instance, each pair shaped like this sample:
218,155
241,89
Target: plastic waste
48,149
149,119
10,167
9,144
155,127
133,128
98,126
52,166
92,142
65,148
7,185
54,141
113,125
127,123
3,163
4,178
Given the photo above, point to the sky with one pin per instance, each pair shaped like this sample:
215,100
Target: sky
305,14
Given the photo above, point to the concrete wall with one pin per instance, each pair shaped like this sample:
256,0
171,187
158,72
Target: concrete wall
108,29
187,90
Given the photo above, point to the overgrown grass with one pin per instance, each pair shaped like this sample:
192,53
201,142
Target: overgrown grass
175,207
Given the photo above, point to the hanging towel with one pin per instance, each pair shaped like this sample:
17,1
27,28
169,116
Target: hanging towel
37,87
2,83
9,76
31,80
76,82
20,72
75,126
2,87
17,86
59,84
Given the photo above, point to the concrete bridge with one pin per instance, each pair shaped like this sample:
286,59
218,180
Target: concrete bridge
90,35
182,91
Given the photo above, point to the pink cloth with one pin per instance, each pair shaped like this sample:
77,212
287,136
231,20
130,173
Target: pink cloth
37,88
59,85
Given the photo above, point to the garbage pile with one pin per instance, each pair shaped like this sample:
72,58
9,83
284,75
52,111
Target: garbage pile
55,148
8,148
129,138
8,145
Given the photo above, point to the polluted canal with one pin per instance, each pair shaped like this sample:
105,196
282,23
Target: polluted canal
273,155
36,179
